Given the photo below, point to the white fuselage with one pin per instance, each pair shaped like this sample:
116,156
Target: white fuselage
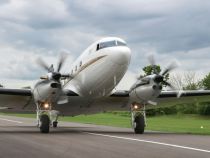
100,68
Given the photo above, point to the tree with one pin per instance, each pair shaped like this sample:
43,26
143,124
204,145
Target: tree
206,81
186,81
204,108
177,81
193,86
149,70
192,82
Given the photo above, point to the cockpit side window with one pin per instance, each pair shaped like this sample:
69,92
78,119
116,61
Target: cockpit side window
97,48
119,43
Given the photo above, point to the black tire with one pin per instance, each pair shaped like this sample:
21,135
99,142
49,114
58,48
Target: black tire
55,124
140,124
44,124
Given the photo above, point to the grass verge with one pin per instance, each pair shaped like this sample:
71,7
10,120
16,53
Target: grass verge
192,124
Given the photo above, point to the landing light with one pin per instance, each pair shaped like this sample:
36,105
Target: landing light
135,107
46,105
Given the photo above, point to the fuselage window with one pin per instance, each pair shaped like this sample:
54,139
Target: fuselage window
80,64
75,68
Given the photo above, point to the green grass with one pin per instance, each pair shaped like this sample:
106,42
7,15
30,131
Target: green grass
20,115
193,124
101,119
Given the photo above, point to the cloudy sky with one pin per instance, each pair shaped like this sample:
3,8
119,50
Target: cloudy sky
170,29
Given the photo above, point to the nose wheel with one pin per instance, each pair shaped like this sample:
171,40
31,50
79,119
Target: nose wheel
44,123
139,124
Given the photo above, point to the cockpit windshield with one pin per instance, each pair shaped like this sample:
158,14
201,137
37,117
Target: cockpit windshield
110,44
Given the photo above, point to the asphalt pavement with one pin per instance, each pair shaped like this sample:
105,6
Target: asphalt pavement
20,138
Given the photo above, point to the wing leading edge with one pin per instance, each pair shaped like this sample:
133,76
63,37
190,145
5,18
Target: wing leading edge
169,98
17,99
17,92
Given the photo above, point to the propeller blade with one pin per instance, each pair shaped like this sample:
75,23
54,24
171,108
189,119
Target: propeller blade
168,84
51,68
172,66
178,92
66,75
56,75
151,60
43,64
61,61
152,102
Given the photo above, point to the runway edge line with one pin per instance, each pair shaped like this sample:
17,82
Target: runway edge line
151,142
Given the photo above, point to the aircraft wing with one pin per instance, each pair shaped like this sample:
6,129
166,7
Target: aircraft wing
21,100
78,105
174,97
16,100
120,94
170,98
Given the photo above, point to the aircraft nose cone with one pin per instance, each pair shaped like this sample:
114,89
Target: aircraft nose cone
122,56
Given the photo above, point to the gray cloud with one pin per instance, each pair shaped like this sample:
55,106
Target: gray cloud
169,29
169,26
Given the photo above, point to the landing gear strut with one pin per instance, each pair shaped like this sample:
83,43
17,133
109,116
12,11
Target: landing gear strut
54,118
46,117
138,118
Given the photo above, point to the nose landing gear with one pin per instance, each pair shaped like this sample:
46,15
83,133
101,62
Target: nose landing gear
138,118
46,117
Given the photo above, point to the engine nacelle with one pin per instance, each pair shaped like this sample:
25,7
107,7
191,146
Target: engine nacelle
46,91
145,93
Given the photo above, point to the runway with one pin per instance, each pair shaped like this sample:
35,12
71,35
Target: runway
19,138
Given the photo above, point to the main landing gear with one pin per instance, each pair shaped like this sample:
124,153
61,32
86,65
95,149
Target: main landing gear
138,118
55,124
46,117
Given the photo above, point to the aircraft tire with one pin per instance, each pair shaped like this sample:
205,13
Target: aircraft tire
44,124
55,124
139,124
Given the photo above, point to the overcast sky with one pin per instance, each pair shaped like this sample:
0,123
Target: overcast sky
170,29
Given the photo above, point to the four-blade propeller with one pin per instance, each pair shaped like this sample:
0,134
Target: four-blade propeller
55,75
159,77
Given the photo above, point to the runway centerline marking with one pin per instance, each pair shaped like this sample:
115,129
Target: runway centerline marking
10,120
151,142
